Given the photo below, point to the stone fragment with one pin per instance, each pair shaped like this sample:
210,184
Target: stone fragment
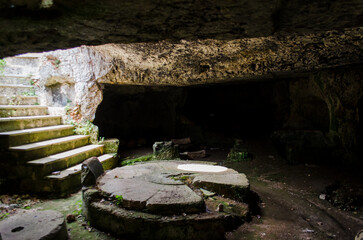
197,155
207,193
111,145
34,225
234,186
71,218
165,150
181,141
219,208
91,170
175,199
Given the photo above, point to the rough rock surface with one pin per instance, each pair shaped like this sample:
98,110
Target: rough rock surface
81,70
73,23
34,225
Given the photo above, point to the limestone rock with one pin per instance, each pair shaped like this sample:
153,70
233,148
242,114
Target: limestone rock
111,145
165,151
34,225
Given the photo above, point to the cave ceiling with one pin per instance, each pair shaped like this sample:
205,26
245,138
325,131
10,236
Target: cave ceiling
73,23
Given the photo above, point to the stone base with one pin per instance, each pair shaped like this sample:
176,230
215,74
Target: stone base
34,225
160,200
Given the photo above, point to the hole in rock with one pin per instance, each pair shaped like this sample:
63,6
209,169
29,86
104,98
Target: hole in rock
17,229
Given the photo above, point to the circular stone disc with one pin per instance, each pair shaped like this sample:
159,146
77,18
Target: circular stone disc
160,186
201,168
34,225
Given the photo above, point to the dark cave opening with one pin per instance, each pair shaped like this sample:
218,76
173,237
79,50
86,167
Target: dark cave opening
216,115
211,115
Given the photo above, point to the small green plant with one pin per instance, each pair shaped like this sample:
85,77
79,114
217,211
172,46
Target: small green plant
14,100
84,128
238,153
101,140
2,66
57,63
30,92
54,61
3,216
128,162
78,211
119,199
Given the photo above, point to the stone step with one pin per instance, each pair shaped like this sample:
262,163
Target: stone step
15,89
18,100
41,149
20,71
22,110
23,60
45,166
18,123
13,70
69,180
15,80
20,137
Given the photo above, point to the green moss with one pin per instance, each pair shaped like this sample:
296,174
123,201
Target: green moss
30,92
3,216
129,162
119,199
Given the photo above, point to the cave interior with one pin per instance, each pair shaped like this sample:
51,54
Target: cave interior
300,120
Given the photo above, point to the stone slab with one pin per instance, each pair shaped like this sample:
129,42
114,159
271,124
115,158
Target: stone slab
34,225
175,199
235,186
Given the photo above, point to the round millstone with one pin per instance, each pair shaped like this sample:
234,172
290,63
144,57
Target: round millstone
163,200
34,225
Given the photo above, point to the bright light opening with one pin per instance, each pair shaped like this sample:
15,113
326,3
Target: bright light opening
201,168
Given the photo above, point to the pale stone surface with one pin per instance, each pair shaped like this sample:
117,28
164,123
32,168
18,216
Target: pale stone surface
74,72
34,225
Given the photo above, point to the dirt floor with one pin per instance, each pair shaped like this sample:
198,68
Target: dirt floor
292,199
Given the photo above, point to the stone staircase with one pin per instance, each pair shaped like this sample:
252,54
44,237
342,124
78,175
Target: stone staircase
38,154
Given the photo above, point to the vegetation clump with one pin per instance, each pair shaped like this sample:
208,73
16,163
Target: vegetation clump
119,199
238,153
2,66
129,162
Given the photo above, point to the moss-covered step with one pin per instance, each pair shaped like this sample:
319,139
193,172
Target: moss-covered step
18,100
25,136
69,179
22,110
15,80
41,149
44,166
14,89
26,122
